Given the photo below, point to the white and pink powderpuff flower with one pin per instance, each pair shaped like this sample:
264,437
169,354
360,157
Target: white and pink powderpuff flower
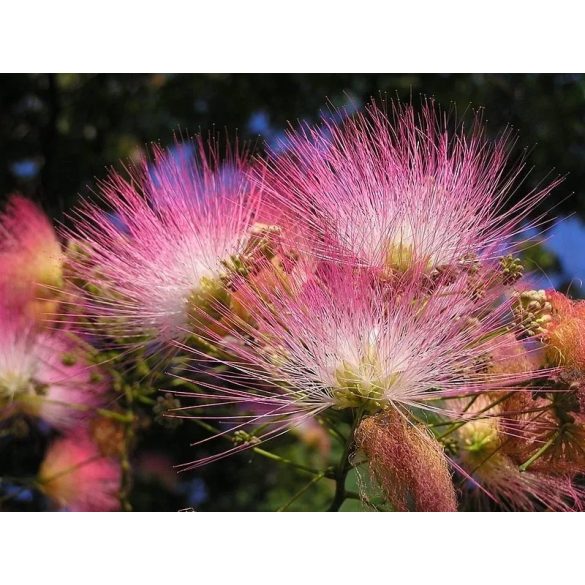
78,478
345,339
47,374
31,259
390,190
171,235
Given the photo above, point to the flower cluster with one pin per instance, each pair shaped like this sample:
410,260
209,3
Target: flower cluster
48,374
360,284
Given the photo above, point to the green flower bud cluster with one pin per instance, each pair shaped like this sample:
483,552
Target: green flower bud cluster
532,312
362,387
241,437
512,269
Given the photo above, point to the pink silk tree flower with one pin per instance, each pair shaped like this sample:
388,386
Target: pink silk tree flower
31,259
390,191
173,233
78,478
46,374
346,340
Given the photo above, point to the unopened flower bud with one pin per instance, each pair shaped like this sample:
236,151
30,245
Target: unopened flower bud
532,312
409,464
511,269
241,437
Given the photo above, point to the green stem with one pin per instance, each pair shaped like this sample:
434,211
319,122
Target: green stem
332,429
125,418
340,494
352,495
313,481
329,473
539,453
343,467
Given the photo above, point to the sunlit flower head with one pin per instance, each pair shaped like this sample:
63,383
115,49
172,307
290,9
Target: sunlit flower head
391,190
345,340
78,478
173,232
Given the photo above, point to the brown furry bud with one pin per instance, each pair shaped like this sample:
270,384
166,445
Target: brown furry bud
409,465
